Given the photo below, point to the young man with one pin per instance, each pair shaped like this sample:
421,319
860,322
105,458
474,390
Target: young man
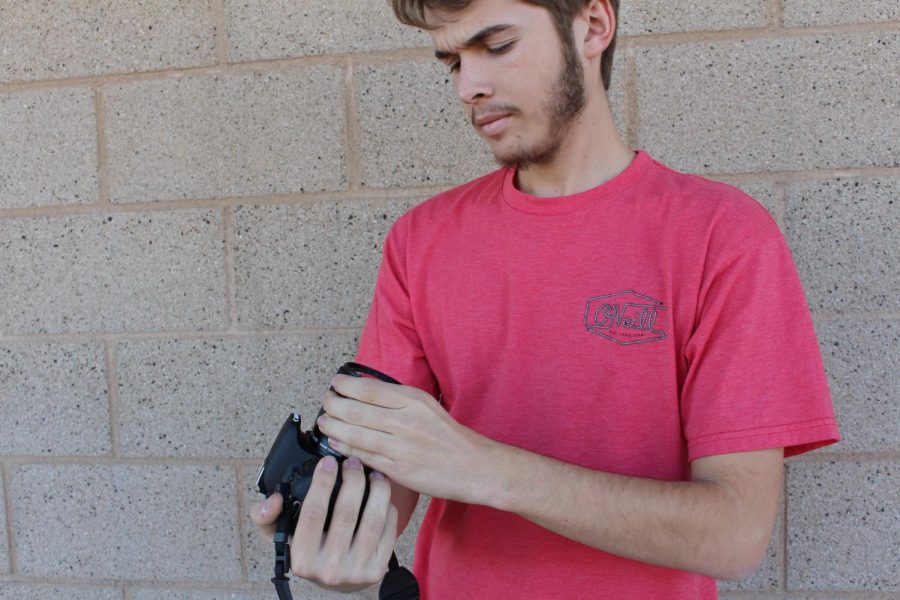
605,360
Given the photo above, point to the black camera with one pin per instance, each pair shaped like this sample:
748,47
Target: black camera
288,470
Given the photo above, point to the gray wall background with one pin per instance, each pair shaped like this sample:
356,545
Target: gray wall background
192,201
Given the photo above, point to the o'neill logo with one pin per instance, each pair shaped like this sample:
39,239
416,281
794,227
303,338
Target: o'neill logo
625,317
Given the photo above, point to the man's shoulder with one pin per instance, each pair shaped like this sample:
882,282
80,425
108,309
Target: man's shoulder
482,189
699,199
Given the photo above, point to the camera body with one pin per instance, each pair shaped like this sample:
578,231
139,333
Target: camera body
291,462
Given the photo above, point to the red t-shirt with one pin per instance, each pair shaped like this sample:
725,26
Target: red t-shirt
631,328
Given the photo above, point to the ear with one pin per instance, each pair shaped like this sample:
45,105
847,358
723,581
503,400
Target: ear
599,23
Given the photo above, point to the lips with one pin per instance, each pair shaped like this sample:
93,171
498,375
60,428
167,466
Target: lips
485,119
492,124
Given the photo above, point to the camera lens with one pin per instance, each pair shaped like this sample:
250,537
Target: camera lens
321,440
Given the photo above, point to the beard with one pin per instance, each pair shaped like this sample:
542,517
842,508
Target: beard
564,103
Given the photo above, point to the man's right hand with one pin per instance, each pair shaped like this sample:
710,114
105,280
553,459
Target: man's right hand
340,559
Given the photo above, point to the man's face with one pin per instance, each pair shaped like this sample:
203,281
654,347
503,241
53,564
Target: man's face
520,86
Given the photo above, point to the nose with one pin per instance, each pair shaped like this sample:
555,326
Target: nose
472,83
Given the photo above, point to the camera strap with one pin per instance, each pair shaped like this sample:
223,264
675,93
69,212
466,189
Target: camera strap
282,556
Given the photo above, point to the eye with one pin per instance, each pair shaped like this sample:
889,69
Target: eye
501,48
454,66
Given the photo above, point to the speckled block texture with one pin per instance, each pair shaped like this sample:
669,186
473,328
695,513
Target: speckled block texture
53,399
637,17
5,567
41,40
260,553
273,29
843,233
48,146
34,591
312,264
862,357
842,526
146,522
213,136
413,130
222,397
802,13
617,94
104,272
814,101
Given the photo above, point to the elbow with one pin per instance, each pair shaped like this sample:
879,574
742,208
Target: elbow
740,557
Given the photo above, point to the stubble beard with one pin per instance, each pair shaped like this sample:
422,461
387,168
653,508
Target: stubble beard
564,103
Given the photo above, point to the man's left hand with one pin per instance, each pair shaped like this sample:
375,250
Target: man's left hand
407,435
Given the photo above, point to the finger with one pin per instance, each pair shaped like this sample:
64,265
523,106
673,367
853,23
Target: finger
353,440
308,533
388,536
359,413
371,527
371,391
265,513
346,512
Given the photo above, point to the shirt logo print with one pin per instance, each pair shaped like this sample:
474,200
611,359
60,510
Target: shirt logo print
625,317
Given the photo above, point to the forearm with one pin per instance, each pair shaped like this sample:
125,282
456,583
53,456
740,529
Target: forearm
696,526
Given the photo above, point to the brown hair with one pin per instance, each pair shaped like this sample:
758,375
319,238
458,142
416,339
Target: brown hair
412,12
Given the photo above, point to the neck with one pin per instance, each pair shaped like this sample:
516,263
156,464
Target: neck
591,154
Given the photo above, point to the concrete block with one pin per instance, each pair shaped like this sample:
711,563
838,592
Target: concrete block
413,128
34,591
814,101
862,358
274,29
112,272
80,39
113,521
803,13
48,145
765,576
638,17
226,135
843,235
618,93
312,264
54,400
843,526
222,397
5,567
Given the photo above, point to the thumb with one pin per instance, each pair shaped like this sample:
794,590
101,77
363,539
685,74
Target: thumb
267,511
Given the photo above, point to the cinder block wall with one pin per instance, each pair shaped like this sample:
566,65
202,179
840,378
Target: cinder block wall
192,201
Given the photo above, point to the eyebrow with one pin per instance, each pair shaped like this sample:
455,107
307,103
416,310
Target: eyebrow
476,39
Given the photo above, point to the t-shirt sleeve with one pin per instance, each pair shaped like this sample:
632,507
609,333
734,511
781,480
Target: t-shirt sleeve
389,341
755,377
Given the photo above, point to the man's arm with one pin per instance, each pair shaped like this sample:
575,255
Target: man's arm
717,524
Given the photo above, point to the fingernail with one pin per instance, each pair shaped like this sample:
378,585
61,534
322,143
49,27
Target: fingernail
329,464
378,475
265,509
321,420
354,463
